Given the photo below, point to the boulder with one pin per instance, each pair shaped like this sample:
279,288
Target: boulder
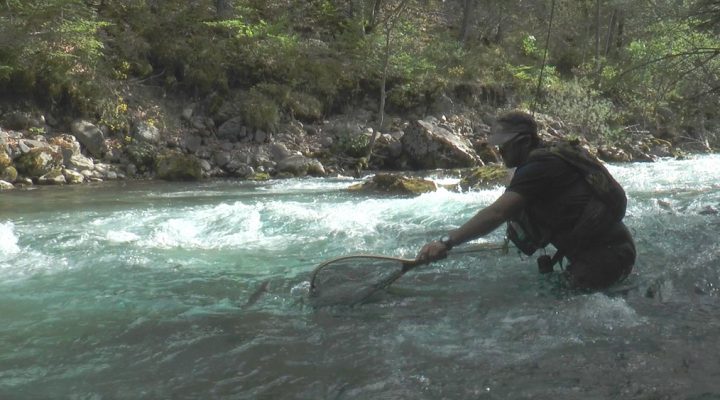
54,177
174,165
428,146
396,184
485,176
142,155
232,130
145,132
8,174
6,185
299,165
90,136
38,162
73,177
5,160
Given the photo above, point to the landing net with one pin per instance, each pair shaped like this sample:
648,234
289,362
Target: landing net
354,279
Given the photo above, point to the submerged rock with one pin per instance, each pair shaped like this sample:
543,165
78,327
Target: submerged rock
396,184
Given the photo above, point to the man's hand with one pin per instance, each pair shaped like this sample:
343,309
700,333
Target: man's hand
432,251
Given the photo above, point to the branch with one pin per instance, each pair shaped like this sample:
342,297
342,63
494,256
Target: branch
713,51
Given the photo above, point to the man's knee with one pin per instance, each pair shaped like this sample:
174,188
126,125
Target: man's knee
601,267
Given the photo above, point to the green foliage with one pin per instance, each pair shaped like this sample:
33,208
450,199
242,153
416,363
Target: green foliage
260,111
52,48
354,145
308,58
583,109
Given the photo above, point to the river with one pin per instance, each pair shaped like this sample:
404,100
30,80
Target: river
152,290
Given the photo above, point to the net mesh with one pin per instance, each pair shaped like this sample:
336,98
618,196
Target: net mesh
353,280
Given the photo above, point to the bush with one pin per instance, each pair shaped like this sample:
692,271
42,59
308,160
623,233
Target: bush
583,109
260,112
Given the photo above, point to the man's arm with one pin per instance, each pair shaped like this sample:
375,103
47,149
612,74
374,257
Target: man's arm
485,221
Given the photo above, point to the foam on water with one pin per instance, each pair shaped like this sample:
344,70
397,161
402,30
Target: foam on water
8,240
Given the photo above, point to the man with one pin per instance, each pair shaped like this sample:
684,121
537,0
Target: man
558,195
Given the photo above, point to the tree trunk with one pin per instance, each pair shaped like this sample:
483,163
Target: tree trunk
222,8
610,32
619,39
372,18
383,92
597,38
468,7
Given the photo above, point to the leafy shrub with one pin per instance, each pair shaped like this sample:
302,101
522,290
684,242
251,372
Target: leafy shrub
305,107
260,112
354,145
583,109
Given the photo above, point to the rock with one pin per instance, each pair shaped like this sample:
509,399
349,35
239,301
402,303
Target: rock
191,142
6,185
485,176
5,160
261,136
20,120
54,177
238,168
146,132
142,155
429,146
299,165
90,136
279,151
174,165
396,184
259,176
612,154
232,130
8,174
38,162
326,141
187,112
709,210
80,162
73,177
69,147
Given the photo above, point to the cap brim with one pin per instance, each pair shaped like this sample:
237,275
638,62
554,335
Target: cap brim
498,139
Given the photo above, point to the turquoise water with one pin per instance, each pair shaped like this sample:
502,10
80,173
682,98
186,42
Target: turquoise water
140,290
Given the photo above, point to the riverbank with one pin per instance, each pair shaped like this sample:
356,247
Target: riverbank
183,141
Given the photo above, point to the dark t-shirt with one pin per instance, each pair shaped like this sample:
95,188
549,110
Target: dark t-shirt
554,192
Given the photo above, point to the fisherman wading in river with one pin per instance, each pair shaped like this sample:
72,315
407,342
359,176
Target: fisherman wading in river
559,195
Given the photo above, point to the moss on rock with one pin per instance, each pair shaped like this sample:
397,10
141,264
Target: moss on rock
259,176
38,162
176,166
482,177
5,160
8,174
396,184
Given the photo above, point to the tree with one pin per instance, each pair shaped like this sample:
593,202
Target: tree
389,24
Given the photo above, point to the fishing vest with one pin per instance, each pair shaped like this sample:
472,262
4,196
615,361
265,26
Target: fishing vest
607,206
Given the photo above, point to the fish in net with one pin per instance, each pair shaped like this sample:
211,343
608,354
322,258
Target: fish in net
354,279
